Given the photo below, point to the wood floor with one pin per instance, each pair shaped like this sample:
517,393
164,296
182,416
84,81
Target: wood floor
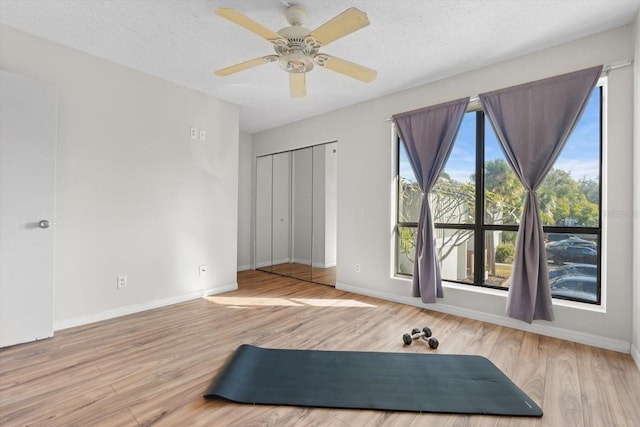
152,368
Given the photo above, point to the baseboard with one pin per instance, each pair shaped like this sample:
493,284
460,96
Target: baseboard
323,265
546,330
136,308
244,267
273,262
635,354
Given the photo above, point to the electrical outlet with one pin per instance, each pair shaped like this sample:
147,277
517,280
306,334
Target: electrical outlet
122,282
194,133
202,270
357,268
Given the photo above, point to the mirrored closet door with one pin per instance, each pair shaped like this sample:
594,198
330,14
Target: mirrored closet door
296,194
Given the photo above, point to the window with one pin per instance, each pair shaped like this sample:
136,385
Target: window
477,203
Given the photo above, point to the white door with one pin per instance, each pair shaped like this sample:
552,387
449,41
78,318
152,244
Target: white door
28,129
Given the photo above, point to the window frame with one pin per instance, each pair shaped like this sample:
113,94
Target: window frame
479,228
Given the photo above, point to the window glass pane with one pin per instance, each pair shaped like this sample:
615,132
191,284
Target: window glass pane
453,196
499,248
570,194
503,192
456,254
409,192
573,261
406,249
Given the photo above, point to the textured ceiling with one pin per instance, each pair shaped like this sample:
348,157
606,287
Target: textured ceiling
409,42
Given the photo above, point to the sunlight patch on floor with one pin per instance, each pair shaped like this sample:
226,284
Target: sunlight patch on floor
237,302
240,301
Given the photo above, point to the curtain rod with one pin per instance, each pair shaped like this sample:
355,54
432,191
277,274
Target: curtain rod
605,71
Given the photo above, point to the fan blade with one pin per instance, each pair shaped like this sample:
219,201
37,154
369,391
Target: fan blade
248,23
348,68
297,85
245,65
346,23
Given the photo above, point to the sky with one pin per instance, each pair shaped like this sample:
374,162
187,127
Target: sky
580,156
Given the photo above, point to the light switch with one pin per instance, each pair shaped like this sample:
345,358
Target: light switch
203,134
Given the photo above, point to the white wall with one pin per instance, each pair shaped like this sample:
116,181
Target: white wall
636,199
245,185
365,174
135,195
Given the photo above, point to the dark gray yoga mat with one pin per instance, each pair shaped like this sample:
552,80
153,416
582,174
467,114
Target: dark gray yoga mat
367,380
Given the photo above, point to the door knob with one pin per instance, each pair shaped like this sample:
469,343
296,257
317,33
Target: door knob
44,224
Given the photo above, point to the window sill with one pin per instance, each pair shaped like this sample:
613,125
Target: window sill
580,305
502,293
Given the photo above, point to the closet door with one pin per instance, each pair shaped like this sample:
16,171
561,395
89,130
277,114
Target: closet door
296,213
324,191
281,220
302,189
264,178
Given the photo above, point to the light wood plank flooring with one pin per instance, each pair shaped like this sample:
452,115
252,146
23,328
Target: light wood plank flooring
152,368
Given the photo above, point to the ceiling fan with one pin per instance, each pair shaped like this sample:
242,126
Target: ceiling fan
297,47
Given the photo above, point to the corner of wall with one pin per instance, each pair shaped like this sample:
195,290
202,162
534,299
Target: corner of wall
245,202
635,333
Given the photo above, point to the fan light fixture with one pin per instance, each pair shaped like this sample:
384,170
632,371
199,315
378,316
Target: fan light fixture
296,47
296,63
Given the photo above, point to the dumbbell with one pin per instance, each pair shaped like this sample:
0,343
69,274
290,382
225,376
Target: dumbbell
424,334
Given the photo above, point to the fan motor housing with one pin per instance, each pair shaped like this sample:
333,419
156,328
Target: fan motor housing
296,56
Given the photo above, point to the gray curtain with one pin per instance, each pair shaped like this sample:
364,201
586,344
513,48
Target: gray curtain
428,136
532,122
